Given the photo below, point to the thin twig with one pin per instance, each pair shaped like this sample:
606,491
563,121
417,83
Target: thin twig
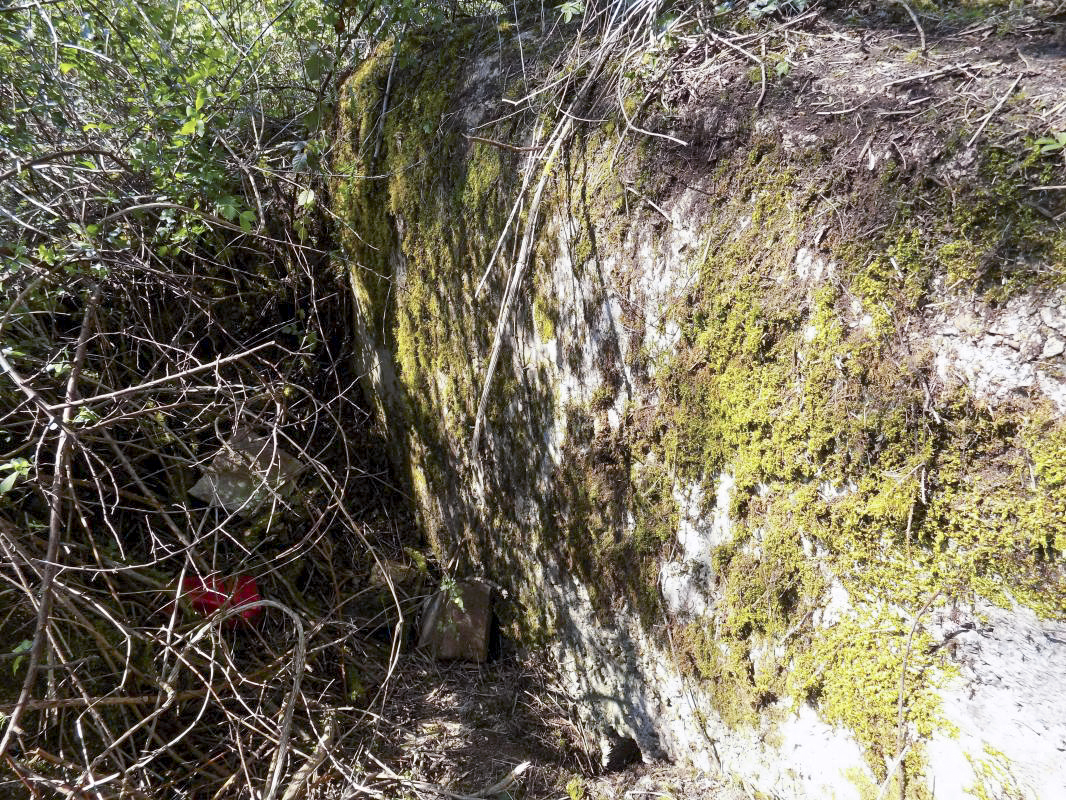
114,700
517,274
380,132
22,166
992,113
218,362
934,73
914,19
753,57
504,145
506,782
650,203
51,566
900,733
298,785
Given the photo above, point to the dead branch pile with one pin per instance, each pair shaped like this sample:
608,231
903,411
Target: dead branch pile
126,382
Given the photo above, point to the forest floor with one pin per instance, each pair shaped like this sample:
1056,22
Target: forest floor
456,729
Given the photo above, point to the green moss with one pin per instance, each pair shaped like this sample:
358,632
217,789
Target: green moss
994,232
591,503
543,318
997,515
364,232
725,671
961,261
995,778
868,789
654,509
412,183
602,398
436,218
852,671
786,391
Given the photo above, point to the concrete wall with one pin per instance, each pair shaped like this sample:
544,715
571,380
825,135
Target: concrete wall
778,420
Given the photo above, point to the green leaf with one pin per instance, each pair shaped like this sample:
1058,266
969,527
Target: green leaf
189,127
227,208
316,65
20,465
201,98
1053,143
306,198
246,220
8,483
571,9
20,652
85,416
66,67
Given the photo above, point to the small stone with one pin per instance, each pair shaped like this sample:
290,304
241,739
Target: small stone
456,623
1030,349
1054,346
245,474
397,573
1048,317
968,323
1007,325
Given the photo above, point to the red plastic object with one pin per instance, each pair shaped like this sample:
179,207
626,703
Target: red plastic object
207,595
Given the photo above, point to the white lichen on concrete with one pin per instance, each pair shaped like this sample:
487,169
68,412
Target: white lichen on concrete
1013,351
687,582
825,760
1006,702
622,678
812,268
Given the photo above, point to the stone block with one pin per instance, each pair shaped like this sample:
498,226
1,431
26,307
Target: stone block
456,623
245,473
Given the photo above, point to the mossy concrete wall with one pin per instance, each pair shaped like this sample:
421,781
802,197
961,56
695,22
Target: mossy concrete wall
774,461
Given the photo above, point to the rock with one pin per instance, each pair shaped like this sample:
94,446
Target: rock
706,339
1054,346
399,574
456,623
1007,325
1030,348
1051,317
245,473
968,323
